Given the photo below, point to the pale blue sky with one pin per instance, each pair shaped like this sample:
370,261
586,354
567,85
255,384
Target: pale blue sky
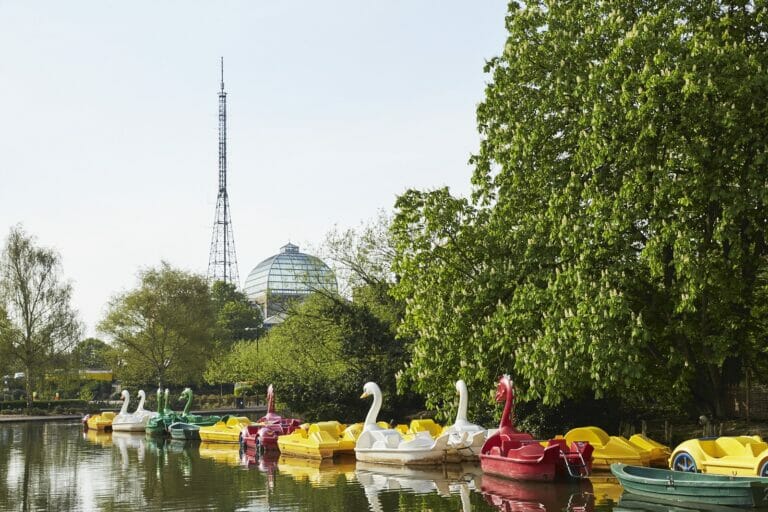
108,122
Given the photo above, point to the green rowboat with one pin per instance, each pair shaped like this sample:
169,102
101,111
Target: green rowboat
688,488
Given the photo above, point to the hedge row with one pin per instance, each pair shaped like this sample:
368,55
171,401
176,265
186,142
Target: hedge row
44,404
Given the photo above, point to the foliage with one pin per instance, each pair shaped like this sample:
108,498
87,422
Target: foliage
363,256
616,234
236,318
37,321
162,329
91,353
320,357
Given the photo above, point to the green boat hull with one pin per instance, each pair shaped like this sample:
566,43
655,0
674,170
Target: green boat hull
184,431
682,487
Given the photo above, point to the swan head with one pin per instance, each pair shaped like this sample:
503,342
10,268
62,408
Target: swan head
125,394
461,386
370,388
185,394
505,386
141,394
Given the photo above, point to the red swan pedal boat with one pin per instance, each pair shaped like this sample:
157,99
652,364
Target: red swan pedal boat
512,454
264,433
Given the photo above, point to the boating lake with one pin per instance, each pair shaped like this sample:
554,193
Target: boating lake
57,466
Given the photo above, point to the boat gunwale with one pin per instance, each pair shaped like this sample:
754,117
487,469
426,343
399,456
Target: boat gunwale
700,480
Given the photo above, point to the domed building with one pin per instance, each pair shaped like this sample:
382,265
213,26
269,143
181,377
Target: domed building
285,277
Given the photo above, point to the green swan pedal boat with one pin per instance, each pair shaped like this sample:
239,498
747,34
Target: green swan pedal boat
690,488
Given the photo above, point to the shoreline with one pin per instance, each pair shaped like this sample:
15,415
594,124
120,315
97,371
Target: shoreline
22,418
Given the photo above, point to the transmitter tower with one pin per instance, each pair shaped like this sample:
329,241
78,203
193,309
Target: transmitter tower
222,262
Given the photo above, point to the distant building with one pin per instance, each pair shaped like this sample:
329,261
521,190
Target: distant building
287,276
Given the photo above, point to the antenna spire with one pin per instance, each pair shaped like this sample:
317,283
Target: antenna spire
222,262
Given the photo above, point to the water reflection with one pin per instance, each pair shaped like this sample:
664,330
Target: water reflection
55,466
444,481
509,495
318,472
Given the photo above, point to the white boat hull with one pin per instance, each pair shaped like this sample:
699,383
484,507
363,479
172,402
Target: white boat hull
401,457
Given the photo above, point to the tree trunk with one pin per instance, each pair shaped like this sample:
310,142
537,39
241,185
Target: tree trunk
28,386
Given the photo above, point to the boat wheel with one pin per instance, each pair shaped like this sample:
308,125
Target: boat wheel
684,462
763,468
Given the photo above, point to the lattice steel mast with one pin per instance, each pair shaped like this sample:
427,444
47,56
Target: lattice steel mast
222,262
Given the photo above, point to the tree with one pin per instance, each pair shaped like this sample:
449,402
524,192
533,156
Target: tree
163,328
91,353
236,318
40,323
362,256
616,235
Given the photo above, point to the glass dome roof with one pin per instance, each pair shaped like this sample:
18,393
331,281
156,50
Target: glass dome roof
289,272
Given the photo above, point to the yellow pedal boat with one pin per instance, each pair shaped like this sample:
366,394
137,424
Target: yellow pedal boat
320,440
727,455
610,449
225,431
659,452
416,426
101,421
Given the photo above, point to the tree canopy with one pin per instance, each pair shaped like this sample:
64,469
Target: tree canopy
615,240
163,328
37,321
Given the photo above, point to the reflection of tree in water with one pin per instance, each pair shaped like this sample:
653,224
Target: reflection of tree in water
32,475
55,467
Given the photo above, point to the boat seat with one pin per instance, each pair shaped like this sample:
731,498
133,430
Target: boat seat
532,451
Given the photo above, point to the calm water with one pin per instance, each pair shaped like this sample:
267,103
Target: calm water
55,466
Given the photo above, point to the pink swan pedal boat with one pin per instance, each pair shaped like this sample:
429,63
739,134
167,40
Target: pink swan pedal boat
264,432
512,454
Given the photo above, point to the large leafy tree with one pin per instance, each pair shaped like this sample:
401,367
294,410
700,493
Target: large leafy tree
616,237
236,318
163,328
37,321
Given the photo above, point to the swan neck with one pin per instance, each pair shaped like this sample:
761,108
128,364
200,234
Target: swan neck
142,397
124,408
506,420
461,414
188,405
373,412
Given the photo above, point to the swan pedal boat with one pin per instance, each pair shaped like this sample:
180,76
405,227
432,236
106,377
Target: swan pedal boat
320,440
265,431
512,454
465,437
135,421
638,451
726,455
389,446
158,424
690,488
228,430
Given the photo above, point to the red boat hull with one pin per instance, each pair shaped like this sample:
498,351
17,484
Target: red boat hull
526,459
530,461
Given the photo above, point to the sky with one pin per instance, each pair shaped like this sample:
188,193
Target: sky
108,123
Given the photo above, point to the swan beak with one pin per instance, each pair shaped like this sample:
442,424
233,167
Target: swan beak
365,395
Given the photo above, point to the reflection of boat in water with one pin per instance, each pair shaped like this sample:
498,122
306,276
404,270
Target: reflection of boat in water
223,453
99,437
127,440
444,480
606,488
517,496
634,503
318,472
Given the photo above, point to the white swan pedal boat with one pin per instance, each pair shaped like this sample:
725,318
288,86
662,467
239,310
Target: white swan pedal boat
388,446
